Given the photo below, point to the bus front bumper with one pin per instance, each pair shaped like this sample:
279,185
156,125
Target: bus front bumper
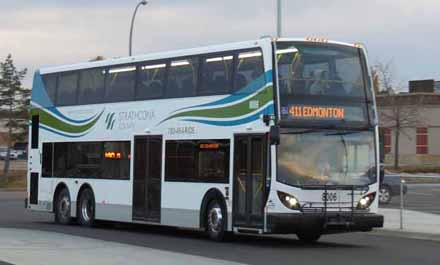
288,223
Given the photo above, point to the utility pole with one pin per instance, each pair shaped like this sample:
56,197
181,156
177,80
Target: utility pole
279,18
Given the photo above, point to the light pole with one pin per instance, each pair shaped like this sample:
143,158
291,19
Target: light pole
143,2
279,17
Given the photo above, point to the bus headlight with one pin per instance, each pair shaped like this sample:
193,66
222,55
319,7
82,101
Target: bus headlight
366,201
289,200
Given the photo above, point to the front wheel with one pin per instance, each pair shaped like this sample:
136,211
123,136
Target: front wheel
384,195
62,208
215,220
86,208
308,237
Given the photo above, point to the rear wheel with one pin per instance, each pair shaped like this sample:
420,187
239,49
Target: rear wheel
62,207
308,237
385,195
86,208
215,221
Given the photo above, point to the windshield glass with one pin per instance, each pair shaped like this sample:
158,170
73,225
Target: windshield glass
306,157
321,81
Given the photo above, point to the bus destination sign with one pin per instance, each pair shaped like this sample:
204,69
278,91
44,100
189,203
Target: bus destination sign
315,112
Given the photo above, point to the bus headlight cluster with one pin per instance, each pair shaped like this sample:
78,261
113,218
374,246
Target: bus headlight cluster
366,201
289,200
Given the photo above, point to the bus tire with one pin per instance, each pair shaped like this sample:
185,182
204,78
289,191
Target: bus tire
86,208
308,237
216,221
62,207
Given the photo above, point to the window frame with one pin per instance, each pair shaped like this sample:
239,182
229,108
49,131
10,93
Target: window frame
168,71
59,77
139,66
107,76
202,63
422,141
167,60
102,93
101,143
196,160
387,140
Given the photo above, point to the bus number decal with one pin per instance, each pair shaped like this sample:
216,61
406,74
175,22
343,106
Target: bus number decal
329,196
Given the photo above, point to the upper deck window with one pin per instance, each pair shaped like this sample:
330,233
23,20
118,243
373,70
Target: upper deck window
322,81
182,78
216,75
249,67
50,82
91,86
151,81
120,83
67,89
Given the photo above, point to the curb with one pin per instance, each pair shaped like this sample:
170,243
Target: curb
406,234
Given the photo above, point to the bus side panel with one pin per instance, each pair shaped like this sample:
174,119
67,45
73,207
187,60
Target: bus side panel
181,202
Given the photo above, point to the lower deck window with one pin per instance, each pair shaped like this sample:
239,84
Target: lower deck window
197,161
108,160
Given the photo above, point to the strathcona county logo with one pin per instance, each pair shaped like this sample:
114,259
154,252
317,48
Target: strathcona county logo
110,120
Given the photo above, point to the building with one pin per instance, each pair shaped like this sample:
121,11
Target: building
417,114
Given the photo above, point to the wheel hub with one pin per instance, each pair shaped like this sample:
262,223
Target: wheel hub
215,219
64,206
86,209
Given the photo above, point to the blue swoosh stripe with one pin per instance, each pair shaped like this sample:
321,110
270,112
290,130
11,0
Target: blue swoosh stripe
55,111
60,133
244,92
268,110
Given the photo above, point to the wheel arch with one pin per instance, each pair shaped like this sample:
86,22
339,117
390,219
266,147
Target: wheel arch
83,187
210,195
58,189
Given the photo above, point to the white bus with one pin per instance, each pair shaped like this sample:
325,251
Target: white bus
262,136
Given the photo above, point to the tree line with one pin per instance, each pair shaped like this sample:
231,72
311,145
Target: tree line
14,107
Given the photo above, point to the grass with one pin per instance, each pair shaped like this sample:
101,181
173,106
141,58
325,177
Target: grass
407,169
16,180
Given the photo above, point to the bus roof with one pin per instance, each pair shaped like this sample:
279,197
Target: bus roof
178,53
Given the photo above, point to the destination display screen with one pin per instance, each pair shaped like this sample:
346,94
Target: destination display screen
319,112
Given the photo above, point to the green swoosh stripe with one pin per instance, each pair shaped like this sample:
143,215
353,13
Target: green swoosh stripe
53,122
236,110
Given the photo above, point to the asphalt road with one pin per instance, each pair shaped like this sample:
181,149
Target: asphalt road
354,248
420,197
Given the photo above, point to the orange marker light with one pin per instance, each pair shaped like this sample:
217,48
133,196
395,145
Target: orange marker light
317,39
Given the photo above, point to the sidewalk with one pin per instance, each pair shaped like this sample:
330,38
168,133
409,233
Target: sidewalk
30,247
415,224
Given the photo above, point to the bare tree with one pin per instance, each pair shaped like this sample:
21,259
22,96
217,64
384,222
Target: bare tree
383,77
399,112
396,111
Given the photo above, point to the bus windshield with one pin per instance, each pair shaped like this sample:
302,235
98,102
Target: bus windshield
307,157
322,81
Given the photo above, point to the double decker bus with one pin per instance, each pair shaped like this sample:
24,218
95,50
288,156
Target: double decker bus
262,136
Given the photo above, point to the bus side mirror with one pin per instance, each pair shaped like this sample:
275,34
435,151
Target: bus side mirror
274,135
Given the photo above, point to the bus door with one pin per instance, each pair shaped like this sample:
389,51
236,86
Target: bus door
249,180
147,178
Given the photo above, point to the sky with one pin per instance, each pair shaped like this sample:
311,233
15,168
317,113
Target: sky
47,32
